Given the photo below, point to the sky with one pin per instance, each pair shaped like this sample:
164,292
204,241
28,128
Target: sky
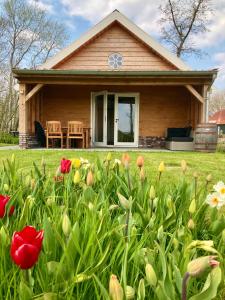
80,15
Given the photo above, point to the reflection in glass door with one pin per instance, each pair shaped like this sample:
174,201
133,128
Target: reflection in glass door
115,119
126,120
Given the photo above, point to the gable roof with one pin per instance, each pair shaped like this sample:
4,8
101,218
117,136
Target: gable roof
218,117
115,16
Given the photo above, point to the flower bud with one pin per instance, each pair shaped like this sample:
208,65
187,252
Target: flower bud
66,225
191,224
169,202
13,158
223,236
142,174
115,289
4,238
209,178
183,166
90,205
175,243
130,292
109,156
161,167
90,178
160,233
150,275
201,264
6,187
141,289
140,161
126,160
123,201
152,192
195,175
192,207
32,183
76,178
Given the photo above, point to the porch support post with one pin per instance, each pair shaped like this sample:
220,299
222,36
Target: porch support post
34,91
206,102
23,110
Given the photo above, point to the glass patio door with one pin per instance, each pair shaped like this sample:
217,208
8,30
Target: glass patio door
126,120
99,114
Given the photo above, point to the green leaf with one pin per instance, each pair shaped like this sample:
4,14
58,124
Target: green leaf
209,290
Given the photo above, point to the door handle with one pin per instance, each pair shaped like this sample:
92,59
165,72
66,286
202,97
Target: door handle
116,120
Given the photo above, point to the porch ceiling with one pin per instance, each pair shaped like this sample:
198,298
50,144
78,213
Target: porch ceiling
115,77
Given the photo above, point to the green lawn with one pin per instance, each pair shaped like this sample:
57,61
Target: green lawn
3,144
203,163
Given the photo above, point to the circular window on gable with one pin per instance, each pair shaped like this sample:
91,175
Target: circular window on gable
115,60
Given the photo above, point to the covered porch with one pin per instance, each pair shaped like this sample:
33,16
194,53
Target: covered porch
122,109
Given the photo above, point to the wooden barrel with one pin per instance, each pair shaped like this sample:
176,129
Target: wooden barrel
206,137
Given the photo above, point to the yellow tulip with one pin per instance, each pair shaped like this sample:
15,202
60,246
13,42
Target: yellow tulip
76,178
150,275
161,167
191,224
76,163
109,156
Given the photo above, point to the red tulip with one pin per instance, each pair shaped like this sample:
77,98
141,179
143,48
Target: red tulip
65,165
26,246
3,201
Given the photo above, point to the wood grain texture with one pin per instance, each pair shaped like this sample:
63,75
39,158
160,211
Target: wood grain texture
160,107
94,55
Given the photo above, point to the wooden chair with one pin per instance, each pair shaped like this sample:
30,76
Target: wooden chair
54,131
75,131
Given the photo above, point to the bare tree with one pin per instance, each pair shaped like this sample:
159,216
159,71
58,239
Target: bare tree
217,101
181,20
28,36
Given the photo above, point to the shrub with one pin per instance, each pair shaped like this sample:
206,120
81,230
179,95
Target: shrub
7,138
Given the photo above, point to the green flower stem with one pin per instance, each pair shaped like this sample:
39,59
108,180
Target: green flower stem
184,286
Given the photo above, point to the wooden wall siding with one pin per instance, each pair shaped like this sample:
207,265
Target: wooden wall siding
94,56
160,107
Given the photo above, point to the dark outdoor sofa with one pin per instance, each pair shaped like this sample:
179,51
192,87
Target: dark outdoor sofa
179,139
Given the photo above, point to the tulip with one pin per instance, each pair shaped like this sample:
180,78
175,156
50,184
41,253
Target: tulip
26,246
90,178
109,156
66,225
126,160
115,289
150,275
3,201
141,289
152,192
6,187
192,207
76,178
191,224
130,292
140,161
201,264
161,167
65,166
76,163
183,166
123,201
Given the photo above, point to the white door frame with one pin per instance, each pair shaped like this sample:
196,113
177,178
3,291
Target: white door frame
93,95
136,129
136,120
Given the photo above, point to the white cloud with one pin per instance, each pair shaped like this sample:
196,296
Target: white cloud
42,5
144,13
220,62
215,33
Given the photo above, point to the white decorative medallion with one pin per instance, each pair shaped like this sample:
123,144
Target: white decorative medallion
115,60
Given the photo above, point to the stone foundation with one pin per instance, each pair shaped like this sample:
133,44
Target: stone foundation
27,141
152,142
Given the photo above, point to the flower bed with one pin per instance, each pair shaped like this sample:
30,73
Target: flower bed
101,230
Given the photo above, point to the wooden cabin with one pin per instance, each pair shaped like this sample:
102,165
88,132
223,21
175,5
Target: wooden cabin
122,84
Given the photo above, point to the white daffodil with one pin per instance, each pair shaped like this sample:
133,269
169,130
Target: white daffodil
215,200
117,162
220,188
